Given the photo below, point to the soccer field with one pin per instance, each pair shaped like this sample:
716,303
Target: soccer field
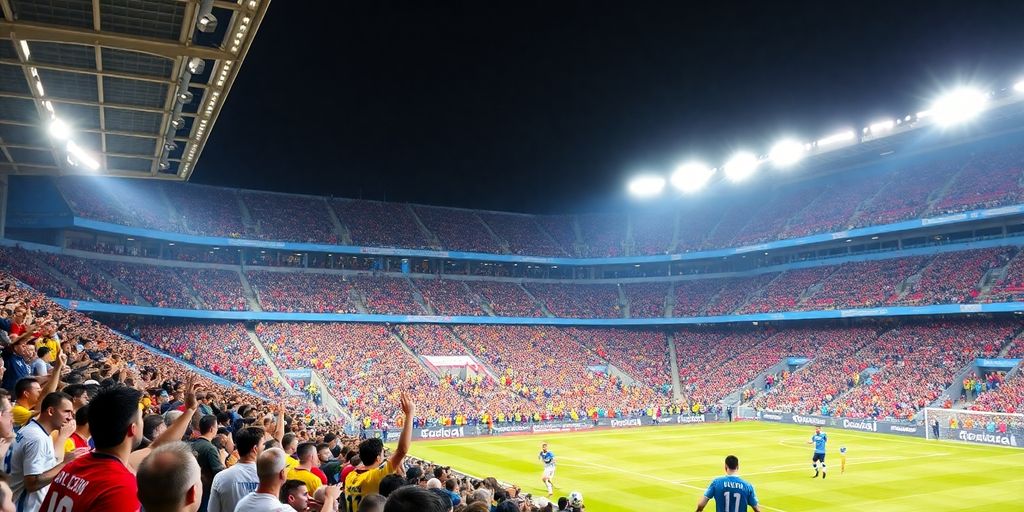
668,468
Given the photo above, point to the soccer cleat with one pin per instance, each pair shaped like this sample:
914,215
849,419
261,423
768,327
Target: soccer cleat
823,475
815,474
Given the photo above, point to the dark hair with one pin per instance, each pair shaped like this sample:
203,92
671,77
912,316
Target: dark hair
271,443
507,506
42,351
207,423
732,463
82,415
328,437
322,446
111,412
223,417
288,488
287,440
247,439
415,499
75,390
438,471
23,385
150,424
450,484
53,400
304,450
371,502
563,503
389,483
370,449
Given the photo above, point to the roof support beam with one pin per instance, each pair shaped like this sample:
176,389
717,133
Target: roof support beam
169,49
103,73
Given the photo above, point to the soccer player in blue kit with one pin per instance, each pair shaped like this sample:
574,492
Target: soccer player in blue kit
548,459
818,440
731,493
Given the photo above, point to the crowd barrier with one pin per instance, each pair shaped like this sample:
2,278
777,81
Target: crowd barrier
863,425
544,427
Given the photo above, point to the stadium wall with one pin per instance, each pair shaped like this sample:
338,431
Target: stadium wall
270,316
863,425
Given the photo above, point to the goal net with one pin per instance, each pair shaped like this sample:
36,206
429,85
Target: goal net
977,427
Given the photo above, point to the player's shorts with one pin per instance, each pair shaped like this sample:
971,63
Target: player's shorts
818,457
549,472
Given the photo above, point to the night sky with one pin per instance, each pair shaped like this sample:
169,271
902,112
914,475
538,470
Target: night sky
552,105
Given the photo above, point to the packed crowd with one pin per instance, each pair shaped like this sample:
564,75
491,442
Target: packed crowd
785,291
864,284
578,300
646,300
291,292
1007,397
642,354
952,278
980,179
447,297
290,218
216,288
118,427
86,277
388,295
458,230
506,298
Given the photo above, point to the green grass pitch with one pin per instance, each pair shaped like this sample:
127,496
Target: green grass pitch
668,468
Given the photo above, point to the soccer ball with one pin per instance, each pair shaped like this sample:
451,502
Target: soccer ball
576,499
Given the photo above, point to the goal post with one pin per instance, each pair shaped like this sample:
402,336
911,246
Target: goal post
975,427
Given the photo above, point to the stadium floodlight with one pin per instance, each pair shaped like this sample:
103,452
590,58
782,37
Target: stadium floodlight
787,152
178,123
881,126
82,157
1019,86
196,66
184,96
837,138
691,176
741,166
24,48
164,165
958,106
646,185
59,130
207,22
169,145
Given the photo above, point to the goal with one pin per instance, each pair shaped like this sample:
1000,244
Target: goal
976,427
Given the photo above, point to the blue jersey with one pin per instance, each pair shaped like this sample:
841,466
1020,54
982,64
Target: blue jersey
819,442
731,494
548,458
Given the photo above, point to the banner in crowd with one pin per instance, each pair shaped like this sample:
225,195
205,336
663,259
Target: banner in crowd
863,425
545,427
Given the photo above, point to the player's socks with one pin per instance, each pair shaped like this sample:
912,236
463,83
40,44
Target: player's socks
550,491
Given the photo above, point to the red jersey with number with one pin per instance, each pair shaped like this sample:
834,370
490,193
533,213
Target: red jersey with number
95,481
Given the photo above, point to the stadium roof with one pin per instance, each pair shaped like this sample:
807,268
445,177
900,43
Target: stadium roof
115,72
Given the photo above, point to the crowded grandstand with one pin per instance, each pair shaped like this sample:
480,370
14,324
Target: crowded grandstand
169,345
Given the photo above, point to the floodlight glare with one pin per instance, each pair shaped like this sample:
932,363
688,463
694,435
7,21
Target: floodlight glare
196,66
741,166
881,127
787,152
958,106
646,186
1019,86
59,130
82,157
691,177
837,138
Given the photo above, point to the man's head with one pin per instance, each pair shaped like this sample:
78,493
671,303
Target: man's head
82,419
289,442
370,452
442,474
115,418
208,425
56,410
817,430
27,390
42,352
26,349
323,452
271,468
389,483
169,479
306,455
79,395
295,495
248,442
372,503
415,499
543,447
152,426
6,414
732,463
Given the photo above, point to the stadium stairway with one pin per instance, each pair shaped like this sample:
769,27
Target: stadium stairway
540,305
327,398
670,299
357,300
250,294
941,192
420,299
247,222
677,386
675,232
735,398
497,239
479,300
428,234
128,291
251,333
612,370
465,340
65,280
401,342
339,229
623,302
952,392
